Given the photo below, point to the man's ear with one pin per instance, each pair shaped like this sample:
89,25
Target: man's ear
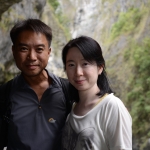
49,52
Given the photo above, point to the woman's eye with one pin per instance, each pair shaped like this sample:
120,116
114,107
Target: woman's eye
85,64
70,65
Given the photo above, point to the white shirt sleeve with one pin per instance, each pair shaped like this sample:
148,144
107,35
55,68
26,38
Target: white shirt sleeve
118,125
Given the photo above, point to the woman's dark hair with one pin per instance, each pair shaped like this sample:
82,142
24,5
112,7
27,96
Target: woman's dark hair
34,25
91,52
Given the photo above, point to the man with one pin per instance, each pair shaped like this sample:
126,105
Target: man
38,104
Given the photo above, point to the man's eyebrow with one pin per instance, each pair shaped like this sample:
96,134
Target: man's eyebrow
38,45
42,45
22,44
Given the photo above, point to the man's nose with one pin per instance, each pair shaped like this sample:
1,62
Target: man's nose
32,55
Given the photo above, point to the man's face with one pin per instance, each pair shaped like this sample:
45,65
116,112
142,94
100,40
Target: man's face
31,52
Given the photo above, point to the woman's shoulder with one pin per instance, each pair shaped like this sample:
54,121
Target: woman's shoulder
114,105
113,102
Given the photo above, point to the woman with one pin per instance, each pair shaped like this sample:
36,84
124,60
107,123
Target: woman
98,120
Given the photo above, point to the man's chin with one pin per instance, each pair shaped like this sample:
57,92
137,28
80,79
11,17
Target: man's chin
31,74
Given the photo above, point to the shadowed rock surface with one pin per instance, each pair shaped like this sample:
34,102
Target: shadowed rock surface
5,4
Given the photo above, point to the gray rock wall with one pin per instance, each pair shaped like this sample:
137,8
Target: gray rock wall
11,12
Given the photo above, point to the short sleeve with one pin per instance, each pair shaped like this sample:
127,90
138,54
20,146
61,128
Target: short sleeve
118,125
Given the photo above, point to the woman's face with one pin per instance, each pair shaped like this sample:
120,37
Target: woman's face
82,74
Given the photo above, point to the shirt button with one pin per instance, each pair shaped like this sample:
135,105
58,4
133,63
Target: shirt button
40,107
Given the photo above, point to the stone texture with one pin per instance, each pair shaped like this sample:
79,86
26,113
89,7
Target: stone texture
5,4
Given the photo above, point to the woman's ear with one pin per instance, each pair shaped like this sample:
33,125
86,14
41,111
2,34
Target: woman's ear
100,69
13,49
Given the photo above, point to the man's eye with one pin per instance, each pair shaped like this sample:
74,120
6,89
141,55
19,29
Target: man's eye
39,49
23,49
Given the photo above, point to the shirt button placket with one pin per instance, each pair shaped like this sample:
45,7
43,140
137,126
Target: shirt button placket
39,106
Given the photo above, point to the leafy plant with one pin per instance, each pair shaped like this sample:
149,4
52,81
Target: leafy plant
139,95
127,21
61,18
54,3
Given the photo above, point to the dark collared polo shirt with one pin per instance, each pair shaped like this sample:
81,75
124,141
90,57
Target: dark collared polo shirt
36,125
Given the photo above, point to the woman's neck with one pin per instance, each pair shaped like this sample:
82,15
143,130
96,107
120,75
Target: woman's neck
88,96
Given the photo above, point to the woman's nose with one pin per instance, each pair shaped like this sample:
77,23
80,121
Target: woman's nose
79,71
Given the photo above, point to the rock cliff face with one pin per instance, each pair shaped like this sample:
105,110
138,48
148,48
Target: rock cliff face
16,10
5,4
13,11
93,18
120,27
116,24
96,19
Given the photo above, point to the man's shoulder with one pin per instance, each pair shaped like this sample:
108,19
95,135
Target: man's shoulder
58,80
5,85
6,88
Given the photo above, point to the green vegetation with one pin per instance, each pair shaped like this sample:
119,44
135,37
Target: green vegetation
127,22
2,67
7,19
5,73
54,4
139,94
137,60
61,18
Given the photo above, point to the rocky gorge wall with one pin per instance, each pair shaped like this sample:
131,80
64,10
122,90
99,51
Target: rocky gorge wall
13,11
96,19
120,27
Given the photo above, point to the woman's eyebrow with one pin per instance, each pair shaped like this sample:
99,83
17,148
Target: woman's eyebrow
69,61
